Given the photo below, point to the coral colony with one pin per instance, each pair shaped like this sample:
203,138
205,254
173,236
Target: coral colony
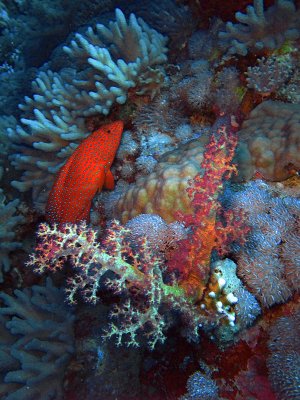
150,200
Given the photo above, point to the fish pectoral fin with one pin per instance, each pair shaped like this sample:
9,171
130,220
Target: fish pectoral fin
99,181
109,182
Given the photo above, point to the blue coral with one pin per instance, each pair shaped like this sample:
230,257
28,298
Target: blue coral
36,343
269,263
9,221
200,387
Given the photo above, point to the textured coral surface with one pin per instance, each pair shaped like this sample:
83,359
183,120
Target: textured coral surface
182,281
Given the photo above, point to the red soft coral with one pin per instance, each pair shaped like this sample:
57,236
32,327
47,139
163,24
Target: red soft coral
192,258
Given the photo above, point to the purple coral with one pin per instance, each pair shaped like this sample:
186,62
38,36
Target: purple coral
160,235
269,262
284,361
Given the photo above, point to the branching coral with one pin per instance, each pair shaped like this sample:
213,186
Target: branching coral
108,62
5,122
36,343
208,231
147,285
270,74
259,30
9,220
139,269
151,299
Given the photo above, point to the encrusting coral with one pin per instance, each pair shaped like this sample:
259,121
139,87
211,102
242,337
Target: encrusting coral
268,144
107,63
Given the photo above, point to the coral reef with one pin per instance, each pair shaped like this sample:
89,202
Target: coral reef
80,243
150,301
200,387
284,361
270,74
5,122
108,61
138,268
36,343
160,236
168,17
9,220
163,192
269,263
259,30
197,280
269,141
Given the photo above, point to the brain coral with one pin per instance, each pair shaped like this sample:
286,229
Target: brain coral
163,191
270,141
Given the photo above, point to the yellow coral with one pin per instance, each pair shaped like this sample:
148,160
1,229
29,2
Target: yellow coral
163,192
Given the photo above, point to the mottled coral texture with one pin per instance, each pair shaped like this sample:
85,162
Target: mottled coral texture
36,343
200,387
284,361
270,141
106,63
269,263
163,191
270,74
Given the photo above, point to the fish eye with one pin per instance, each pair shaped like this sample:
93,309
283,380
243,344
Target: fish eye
109,131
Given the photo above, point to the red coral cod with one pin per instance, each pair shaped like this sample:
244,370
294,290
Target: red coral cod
85,173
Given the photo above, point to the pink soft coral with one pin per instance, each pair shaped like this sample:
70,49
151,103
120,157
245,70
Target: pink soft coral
208,230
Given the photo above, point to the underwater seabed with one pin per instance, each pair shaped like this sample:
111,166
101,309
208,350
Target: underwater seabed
149,200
